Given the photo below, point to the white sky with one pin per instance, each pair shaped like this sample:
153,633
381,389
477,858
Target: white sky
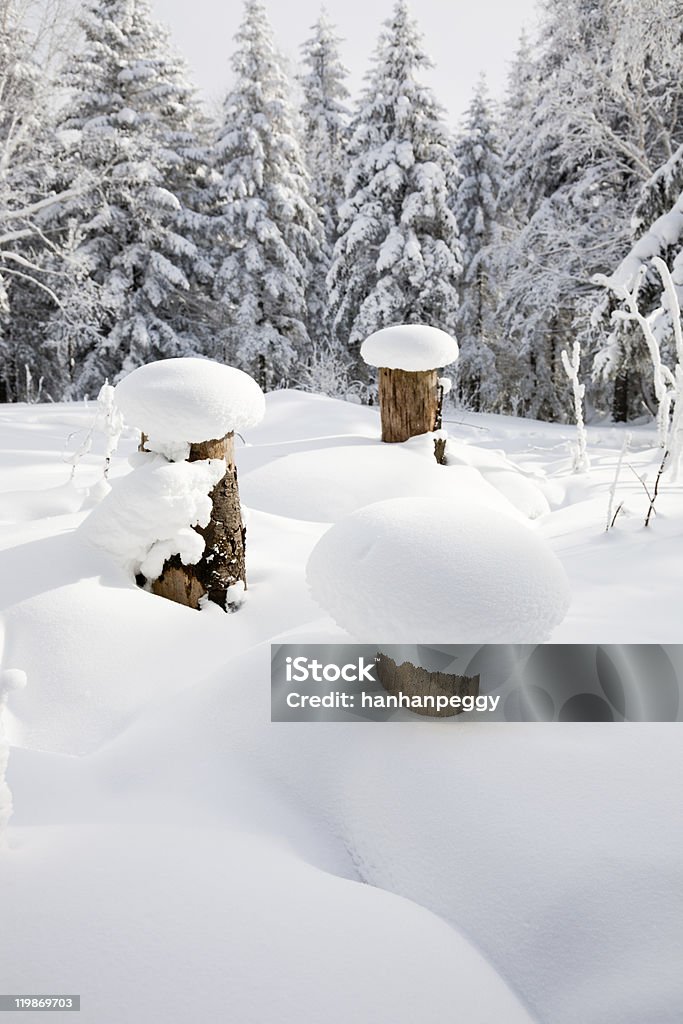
464,37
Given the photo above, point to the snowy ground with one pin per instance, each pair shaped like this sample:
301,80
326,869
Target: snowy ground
174,856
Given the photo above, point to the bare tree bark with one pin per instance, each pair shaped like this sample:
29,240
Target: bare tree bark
418,682
408,403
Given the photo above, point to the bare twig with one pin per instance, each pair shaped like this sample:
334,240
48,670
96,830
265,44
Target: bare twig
464,423
642,481
653,499
612,519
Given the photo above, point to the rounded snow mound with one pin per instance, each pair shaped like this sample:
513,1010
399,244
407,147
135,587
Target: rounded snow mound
326,484
189,400
410,347
423,568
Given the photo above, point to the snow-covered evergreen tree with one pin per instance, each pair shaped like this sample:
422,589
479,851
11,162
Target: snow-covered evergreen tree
325,117
130,141
325,122
516,109
476,211
397,258
557,210
512,213
268,234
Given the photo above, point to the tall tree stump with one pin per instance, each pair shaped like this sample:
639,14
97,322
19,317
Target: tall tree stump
223,563
408,403
407,357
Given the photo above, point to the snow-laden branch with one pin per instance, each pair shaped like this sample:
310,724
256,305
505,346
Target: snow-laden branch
664,233
672,303
606,132
34,280
25,212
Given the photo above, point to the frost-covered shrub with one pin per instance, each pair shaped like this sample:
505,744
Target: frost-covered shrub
327,372
436,571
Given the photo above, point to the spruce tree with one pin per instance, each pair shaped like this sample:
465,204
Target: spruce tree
325,117
538,264
131,145
268,234
476,211
325,123
397,259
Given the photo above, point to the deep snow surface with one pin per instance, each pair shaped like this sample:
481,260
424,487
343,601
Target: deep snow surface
171,845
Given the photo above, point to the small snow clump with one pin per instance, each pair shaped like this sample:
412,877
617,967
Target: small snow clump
410,347
426,569
188,400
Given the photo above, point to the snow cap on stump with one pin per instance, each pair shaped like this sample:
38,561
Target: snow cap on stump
425,569
190,400
412,347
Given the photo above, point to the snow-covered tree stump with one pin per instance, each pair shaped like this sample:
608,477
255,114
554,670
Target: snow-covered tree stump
222,565
190,547
407,357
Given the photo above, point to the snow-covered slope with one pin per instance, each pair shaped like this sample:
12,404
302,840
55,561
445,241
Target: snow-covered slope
170,844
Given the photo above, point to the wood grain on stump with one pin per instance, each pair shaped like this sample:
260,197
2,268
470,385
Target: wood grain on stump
408,403
418,682
223,561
